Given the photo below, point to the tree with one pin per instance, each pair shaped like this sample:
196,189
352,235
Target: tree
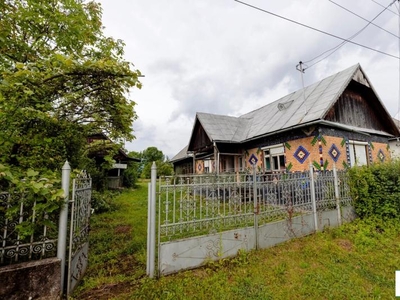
152,154
164,167
60,80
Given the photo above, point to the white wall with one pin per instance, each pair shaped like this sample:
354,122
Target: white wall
395,148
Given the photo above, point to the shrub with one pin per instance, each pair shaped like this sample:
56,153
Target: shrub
376,190
36,191
103,201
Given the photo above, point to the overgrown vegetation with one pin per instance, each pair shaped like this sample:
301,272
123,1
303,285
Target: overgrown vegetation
61,79
355,261
40,192
375,190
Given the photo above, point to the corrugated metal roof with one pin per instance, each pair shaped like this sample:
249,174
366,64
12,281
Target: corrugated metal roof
181,155
300,107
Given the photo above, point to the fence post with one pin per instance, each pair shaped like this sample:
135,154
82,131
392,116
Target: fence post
336,184
63,221
148,228
151,233
314,205
255,205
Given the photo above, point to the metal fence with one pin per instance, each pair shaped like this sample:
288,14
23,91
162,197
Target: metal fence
14,247
43,240
202,204
212,216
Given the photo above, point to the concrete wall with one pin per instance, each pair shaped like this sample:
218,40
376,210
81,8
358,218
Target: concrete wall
195,251
31,280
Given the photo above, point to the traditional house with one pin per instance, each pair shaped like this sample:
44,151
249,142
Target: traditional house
339,120
115,174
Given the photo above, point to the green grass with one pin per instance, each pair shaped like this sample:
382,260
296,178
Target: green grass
355,261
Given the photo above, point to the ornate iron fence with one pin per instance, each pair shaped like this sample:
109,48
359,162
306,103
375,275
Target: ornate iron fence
203,217
44,241
203,204
14,247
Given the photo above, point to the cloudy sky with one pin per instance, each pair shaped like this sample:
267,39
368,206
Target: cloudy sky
223,57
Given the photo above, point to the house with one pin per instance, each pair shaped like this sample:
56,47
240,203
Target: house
183,162
394,143
115,174
339,121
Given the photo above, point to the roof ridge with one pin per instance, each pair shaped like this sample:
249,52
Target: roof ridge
298,90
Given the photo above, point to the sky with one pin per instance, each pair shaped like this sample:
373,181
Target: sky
224,57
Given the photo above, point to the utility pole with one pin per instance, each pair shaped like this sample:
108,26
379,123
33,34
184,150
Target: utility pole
299,67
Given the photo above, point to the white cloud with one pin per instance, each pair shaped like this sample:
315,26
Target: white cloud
220,56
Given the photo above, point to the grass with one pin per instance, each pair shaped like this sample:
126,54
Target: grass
355,261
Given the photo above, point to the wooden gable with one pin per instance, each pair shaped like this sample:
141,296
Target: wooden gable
199,141
359,106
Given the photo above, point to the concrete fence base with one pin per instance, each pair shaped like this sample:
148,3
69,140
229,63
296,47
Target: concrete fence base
31,280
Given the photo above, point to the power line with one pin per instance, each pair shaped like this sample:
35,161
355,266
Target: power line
393,12
348,10
334,49
316,29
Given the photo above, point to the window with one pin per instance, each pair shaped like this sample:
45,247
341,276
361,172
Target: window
207,166
358,153
274,158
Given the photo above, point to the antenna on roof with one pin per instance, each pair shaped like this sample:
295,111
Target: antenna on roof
301,69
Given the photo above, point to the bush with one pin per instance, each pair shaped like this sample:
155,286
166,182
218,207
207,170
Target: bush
103,201
130,176
38,192
376,190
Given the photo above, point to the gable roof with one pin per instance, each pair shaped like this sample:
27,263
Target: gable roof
181,155
297,109
121,153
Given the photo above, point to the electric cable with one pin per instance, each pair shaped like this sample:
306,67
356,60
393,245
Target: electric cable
357,15
393,12
316,29
337,47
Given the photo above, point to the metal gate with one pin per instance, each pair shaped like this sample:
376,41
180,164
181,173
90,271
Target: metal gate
79,229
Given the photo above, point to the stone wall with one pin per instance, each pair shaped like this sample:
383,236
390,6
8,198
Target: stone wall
34,280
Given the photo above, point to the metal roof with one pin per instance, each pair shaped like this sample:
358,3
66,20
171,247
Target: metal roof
181,155
301,107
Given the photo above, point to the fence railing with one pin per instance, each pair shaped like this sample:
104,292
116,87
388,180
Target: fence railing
15,247
191,205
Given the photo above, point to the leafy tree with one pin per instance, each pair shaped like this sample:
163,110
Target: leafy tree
152,154
60,80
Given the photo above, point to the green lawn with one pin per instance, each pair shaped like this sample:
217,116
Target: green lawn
356,261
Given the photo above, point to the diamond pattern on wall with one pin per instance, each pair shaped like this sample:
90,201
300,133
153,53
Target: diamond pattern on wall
381,156
334,153
253,160
301,154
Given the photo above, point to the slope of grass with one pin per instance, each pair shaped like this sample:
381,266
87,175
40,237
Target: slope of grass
355,261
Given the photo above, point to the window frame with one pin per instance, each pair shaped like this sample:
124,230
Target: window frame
274,154
353,153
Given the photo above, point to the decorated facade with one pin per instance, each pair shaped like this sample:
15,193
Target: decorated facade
339,121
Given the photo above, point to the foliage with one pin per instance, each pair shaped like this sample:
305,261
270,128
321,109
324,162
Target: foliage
147,157
98,160
354,261
60,80
150,155
164,168
130,175
103,201
41,192
376,190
